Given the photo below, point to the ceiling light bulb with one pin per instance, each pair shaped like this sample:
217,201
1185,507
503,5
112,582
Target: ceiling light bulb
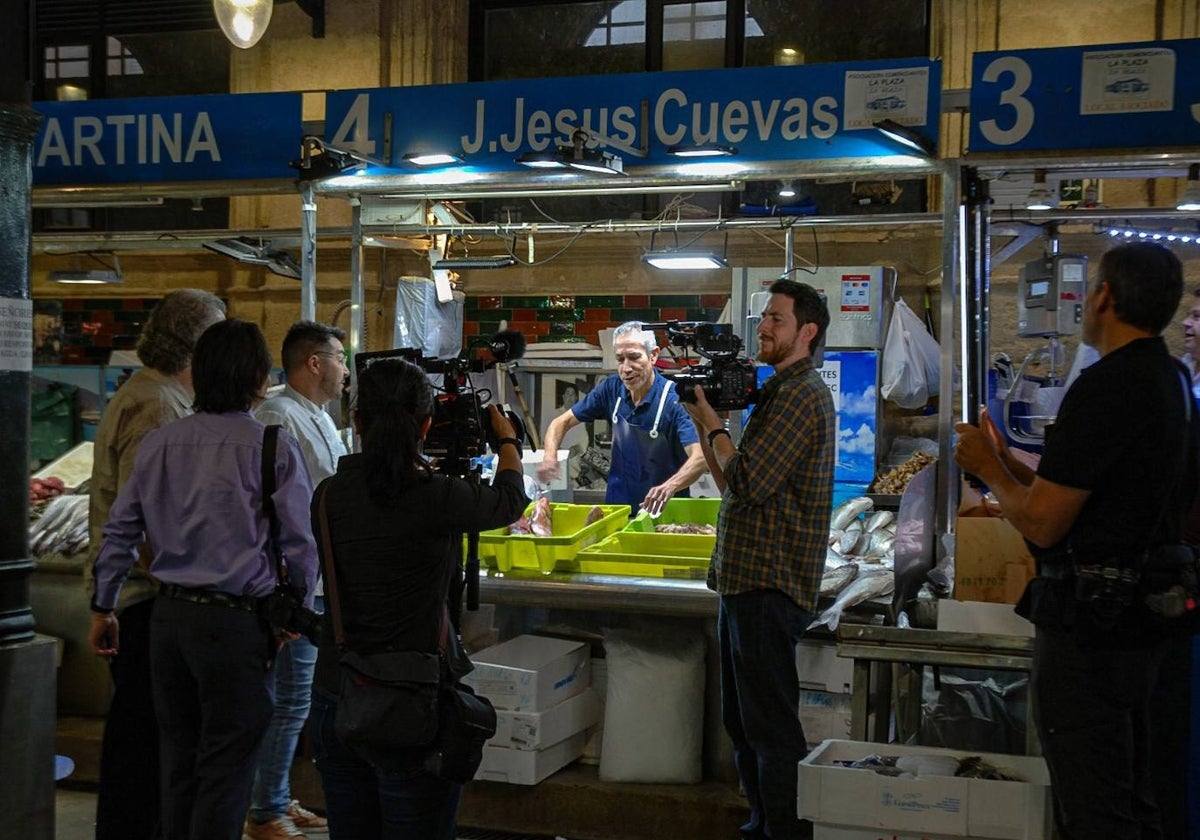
787,190
1189,199
1040,197
244,22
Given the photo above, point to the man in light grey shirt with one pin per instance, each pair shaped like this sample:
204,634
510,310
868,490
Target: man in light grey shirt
314,362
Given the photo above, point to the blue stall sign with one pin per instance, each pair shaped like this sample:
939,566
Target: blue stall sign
817,111
167,139
1096,97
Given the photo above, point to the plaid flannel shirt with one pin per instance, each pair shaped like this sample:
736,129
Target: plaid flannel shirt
773,527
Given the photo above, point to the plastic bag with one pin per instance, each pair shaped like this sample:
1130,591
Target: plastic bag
911,360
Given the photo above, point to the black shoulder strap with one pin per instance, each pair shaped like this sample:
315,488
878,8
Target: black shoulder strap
270,440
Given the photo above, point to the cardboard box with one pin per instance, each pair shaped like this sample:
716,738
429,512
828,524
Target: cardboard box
981,617
820,668
824,715
528,767
930,806
533,730
991,561
531,673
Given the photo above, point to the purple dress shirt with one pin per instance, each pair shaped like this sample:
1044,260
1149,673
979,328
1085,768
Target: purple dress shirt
196,486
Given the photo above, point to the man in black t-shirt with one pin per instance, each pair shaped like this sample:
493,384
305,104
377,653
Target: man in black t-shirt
1116,478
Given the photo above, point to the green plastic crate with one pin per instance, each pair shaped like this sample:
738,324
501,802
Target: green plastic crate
500,550
679,511
648,555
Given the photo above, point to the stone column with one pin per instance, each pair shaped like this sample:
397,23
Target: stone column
26,663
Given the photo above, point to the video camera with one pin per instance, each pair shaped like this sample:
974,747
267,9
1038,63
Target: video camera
729,380
460,429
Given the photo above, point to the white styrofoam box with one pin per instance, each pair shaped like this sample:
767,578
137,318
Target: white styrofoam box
528,767
931,806
531,460
981,617
533,730
591,750
832,832
705,488
824,715
531,673
819,667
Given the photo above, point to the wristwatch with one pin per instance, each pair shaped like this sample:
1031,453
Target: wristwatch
511,440
717,432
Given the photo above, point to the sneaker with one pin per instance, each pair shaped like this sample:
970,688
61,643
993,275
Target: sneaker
304,818
279,828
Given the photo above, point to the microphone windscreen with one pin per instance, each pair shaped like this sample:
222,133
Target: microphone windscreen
508,345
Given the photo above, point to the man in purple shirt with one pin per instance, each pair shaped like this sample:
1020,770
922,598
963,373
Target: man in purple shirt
197,487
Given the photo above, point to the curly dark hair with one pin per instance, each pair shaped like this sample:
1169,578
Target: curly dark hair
171,331
807,305
230,366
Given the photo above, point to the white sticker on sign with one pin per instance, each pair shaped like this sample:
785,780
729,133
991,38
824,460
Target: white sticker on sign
16,334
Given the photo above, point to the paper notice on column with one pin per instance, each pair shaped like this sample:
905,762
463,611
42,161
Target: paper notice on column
16,334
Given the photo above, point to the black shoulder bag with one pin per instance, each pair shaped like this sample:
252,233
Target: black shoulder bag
399,700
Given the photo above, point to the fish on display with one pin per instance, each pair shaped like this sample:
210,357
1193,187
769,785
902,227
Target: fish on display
879,519
848,511
540,520
871,582
837,578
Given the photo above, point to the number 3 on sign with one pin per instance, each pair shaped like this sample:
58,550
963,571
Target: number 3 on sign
1022,77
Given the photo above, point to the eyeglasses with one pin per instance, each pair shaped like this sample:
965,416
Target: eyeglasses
341,358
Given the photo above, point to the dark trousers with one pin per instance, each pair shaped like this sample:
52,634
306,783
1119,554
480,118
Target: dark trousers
760,695
1170,736
1092,708
213,700
365,803
127,801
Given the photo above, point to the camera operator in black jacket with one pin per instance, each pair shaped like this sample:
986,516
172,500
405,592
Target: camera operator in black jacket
396,533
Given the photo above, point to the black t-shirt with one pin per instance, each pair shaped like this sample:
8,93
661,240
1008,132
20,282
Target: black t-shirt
394,564
1121,433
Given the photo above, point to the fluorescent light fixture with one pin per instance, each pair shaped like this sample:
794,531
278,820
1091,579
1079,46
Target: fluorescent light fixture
257,252
244,22
682,260
432,158
702,150
577,157
1189,199
93,277
906,137
1040,197
543,160
454,263
598,161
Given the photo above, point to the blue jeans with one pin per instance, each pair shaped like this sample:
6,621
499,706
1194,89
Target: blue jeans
760,696
293,675
365,803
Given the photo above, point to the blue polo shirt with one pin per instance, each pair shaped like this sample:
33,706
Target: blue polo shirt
675,424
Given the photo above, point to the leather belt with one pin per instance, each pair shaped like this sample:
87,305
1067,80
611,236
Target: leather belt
209,596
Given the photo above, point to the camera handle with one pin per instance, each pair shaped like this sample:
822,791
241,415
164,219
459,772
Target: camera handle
471,571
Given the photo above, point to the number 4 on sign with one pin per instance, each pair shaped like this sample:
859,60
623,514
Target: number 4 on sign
353,134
